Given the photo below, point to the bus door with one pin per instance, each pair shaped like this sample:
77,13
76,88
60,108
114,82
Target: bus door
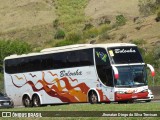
105,72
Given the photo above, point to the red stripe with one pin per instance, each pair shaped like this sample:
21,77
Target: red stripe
153,73
121,97
116,76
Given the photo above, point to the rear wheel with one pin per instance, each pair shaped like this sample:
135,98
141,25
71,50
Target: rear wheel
36,101
93,98
26,101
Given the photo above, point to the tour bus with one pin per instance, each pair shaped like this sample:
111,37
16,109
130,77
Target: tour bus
93,73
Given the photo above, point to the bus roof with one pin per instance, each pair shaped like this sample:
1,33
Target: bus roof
69,48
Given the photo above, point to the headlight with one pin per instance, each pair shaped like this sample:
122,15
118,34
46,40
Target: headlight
146,90
120,92
149,91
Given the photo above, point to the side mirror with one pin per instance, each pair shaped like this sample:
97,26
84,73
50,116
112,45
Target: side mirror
116,74
152,69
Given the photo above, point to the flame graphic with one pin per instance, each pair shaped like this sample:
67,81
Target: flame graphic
33,75
68,93
19,78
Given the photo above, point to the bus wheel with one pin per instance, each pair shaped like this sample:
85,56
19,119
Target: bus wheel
123,102
93,99
148,100
26,101
36,101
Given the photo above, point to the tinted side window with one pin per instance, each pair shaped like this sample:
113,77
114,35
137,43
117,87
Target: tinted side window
80,58
11,65
59,60
101,57
50,61
86,57
103,66
72,59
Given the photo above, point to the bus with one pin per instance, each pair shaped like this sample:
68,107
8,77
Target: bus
94,73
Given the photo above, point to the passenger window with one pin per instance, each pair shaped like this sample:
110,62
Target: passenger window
104,69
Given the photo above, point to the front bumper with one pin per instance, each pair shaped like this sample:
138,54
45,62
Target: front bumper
6,104
150,97
130,96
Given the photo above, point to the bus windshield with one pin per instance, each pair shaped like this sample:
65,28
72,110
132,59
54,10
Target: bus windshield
131,76
125,55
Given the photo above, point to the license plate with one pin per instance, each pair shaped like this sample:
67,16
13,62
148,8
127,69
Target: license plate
5,103
134,96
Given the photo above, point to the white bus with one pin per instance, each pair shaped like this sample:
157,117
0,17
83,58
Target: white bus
77,73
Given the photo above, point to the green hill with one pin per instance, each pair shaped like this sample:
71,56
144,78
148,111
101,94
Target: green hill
37,21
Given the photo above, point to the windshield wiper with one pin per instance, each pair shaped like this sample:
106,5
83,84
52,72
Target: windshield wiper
130,86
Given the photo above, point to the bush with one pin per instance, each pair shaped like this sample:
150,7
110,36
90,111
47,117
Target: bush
55,23
91,33
104,20
120,20
158,14
74,37
104,28
147,7
158,2
88,26
157,53
152,57
138,42
122,37
60,34
105,36
8,47
156,57
158,17
64,42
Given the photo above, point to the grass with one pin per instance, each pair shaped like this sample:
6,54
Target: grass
88,107
95,107
71,14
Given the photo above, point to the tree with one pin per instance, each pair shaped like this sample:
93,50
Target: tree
8,47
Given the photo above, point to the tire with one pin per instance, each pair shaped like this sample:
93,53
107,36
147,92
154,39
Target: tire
123,102
36,101
27,101
148,100
93,98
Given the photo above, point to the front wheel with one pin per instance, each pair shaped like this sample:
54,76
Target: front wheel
93,98
123,102
148,100
36,101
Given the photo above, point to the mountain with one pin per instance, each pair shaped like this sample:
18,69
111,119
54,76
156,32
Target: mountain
111,8
138,27
29,20
32,20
